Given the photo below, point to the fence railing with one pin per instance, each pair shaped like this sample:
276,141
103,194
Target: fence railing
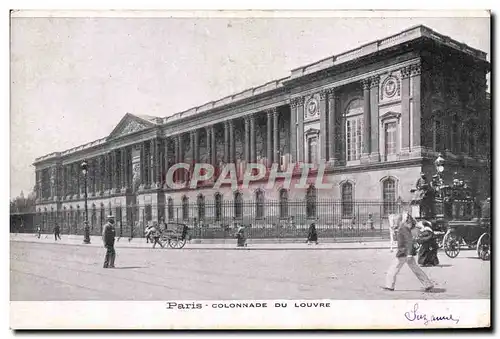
218,219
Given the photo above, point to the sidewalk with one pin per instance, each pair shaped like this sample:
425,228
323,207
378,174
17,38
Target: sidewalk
216,244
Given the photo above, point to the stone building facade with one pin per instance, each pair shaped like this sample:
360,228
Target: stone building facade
376,116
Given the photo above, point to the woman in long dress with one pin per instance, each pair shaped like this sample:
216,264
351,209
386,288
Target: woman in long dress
427,253
312,234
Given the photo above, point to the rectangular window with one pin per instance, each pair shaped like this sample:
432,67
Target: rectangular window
390,138
313,150
354,138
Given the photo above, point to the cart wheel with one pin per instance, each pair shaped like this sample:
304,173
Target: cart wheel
177,243
451,245
483,246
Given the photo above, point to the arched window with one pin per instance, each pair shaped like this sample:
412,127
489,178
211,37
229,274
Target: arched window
311,202
200,201
185,208
347,200
354,129
238,205
170,206
283,203
259,204
218,206
389,196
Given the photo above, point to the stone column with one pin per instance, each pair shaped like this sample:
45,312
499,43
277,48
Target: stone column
115,171
110,171
253,157
208,144
226,142
92,176
366,119
103,174
196,146
143,163
37,185
405,111
416,121
374,124
323,126
78,181
63,182
192,146
213,147
333,132
269,138
232,153
293,129
181,156
300,132
165,160
247,139
176,156
152,162
276,137
123,183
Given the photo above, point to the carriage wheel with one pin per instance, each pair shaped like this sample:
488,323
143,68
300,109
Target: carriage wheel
483,246
451,245
177,243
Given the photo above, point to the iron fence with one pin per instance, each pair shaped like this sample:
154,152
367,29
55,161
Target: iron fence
219,219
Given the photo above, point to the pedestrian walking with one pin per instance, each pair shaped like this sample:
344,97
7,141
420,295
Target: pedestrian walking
312,234
38,231
155,235
405,255
241,238
108,238
57,232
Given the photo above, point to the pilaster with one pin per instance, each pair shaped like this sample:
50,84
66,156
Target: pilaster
374,122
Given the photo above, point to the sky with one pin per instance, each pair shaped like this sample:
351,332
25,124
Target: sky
73,79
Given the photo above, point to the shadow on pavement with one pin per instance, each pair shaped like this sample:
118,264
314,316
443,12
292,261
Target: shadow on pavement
128,267
434,290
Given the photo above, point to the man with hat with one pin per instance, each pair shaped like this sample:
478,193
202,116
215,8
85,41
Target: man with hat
108,238
405,255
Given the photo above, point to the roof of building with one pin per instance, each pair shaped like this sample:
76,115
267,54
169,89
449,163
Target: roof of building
373,47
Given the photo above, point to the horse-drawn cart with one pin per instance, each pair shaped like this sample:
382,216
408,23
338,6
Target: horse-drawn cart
175,235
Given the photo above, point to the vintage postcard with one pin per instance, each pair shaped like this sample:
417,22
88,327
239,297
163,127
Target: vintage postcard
250,169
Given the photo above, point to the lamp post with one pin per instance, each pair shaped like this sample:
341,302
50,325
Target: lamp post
86,229
439,164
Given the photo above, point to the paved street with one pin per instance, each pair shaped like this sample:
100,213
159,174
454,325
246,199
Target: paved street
48,271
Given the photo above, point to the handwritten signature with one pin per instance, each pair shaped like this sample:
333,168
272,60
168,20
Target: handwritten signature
413,315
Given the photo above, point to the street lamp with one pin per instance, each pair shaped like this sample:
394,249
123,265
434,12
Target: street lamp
86,229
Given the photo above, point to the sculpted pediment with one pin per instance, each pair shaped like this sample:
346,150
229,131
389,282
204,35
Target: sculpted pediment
128,125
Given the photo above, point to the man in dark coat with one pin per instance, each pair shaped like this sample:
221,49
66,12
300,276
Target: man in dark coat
108,238
57,232
405,255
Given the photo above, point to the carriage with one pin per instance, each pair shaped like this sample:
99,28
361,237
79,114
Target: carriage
452,212
470,232
175,235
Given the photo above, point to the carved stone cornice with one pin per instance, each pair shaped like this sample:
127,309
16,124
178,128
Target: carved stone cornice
405,72
323,95
365,83
374,81
416,69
